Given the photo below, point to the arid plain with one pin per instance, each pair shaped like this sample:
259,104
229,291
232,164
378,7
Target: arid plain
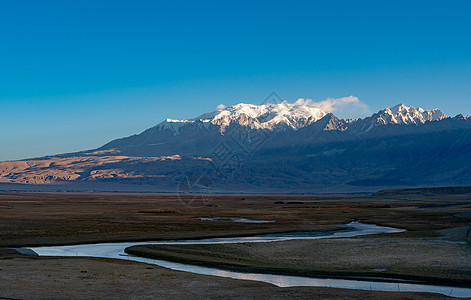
434,220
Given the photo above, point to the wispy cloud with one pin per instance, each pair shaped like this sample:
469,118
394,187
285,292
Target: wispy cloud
345,107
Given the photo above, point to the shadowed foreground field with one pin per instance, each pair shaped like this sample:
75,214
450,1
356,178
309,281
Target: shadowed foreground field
88,278
28,219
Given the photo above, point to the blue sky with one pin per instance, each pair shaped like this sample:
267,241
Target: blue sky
77,74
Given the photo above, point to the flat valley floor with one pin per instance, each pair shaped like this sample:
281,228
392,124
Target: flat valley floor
435,223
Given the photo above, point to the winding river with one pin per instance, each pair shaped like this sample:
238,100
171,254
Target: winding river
116,250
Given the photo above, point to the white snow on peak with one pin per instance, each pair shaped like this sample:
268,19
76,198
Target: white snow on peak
173,125
265,116
176,121
402,114
295,115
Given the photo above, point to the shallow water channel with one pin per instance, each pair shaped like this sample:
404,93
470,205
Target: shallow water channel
116,250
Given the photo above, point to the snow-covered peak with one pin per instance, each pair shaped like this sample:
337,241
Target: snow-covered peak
399,108
402,114
266,116
172,125
296,115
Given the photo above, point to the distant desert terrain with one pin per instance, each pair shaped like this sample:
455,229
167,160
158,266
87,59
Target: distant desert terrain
89,167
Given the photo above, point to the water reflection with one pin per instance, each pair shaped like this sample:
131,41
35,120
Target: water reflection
116,250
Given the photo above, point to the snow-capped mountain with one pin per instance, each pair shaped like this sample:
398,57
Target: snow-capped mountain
198,135
296,115
268,116
406,115
401,115
293,147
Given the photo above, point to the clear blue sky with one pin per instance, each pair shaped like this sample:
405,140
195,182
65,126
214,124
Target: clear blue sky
77,74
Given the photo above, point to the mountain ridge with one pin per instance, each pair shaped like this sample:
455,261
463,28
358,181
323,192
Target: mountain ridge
295,116
286,147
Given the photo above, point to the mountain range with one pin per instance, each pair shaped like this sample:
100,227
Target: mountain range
283,147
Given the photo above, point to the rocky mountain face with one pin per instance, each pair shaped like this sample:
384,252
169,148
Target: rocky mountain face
286,147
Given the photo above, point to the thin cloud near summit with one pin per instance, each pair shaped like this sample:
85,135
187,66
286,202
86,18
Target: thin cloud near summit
345,107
